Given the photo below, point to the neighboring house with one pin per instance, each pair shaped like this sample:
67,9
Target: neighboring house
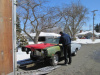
42,37
88,35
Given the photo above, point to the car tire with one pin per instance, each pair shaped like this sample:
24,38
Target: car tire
32,58
75,53
54,60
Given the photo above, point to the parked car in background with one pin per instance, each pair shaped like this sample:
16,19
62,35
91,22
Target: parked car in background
49,50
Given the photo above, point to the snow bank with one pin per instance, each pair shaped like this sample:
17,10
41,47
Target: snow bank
22,55
86,41
33,42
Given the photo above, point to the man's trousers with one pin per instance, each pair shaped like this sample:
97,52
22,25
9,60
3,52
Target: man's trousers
67,53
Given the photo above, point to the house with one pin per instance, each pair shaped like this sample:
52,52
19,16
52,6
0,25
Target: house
88,35
42,37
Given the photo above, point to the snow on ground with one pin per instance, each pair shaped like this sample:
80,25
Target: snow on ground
86,41
33,42
22,55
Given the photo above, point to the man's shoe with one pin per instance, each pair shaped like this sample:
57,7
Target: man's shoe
66,64
69,63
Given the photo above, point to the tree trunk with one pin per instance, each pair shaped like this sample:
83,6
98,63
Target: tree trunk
36,37
73,37
29,35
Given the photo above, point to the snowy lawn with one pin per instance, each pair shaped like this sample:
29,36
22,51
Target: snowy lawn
22,55
86,41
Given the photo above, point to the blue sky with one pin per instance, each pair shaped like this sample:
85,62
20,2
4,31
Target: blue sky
90,4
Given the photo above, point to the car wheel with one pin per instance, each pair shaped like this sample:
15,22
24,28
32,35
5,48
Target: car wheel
54,60
32,58
75,52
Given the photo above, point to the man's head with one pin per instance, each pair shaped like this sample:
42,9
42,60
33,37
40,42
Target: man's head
61,33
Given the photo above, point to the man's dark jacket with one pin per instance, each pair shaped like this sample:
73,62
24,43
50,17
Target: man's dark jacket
65,39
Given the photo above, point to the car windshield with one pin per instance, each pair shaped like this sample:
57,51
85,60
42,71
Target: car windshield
52,40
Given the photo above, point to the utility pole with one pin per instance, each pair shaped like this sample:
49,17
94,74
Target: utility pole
93,23
14,3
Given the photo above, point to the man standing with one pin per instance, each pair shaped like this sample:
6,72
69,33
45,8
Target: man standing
65,40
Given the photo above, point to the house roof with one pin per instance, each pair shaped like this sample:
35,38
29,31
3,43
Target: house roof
86,32
44,34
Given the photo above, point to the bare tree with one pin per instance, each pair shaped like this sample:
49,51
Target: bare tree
54,30
75,17
34,13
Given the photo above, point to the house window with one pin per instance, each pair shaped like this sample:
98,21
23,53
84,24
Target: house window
41,39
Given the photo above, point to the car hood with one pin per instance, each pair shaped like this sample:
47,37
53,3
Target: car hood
39,46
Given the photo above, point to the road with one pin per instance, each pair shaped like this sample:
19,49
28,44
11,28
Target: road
86,62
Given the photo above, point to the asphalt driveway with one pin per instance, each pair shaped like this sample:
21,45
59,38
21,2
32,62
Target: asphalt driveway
86,62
